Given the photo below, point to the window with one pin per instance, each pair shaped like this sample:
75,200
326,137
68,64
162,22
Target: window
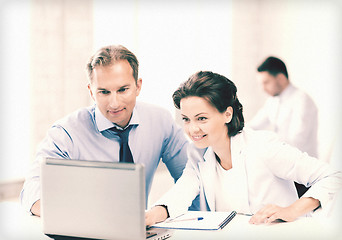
15,93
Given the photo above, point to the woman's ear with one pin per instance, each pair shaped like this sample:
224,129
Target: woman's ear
228,114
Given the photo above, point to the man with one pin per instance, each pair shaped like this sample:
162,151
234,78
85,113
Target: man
94,133
289,112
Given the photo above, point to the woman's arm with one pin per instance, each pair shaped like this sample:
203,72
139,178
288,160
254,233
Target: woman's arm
272,212
288,163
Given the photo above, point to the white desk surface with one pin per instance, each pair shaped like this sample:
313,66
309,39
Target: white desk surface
17,224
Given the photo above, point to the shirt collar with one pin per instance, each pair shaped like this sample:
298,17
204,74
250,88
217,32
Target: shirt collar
236,148
103,123
287,91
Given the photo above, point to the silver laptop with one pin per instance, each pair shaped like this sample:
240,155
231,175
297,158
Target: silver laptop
97,200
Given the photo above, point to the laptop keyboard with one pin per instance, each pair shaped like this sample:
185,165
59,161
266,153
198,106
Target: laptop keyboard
150,234
154,235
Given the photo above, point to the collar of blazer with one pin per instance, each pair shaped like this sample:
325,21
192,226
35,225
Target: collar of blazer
208,173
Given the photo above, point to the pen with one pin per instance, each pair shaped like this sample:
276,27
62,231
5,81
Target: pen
245,214
186,219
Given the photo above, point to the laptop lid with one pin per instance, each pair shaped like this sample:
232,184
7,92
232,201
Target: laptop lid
93,199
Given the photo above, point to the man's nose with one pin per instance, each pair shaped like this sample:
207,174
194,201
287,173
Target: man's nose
114,100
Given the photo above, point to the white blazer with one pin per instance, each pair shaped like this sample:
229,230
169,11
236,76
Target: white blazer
268,169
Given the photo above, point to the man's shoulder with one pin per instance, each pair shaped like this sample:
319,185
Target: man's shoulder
302,98
196,152
298,92
81,116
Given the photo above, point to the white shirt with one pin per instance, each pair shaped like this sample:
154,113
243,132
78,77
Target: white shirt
265,171
230,190
293,116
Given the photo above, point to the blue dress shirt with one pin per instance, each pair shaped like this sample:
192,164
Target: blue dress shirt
85,135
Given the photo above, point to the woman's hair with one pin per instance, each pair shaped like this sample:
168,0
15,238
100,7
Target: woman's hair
108,55
218,90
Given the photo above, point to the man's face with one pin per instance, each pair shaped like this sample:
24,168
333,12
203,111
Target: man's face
270,84
114,91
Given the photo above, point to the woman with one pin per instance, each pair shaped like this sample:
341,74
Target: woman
232,168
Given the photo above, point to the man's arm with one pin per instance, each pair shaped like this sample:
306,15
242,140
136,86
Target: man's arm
175,152
57,143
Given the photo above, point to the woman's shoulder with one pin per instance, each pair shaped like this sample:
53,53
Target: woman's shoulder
258,142
258,136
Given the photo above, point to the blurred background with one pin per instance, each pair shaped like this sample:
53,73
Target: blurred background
45,45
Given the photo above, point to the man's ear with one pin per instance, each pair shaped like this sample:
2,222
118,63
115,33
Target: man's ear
282,79
91,92
229,114
139,83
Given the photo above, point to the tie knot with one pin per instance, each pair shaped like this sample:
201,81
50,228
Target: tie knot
123,134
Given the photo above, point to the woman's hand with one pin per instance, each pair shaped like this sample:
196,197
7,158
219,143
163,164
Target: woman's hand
155,215
271,212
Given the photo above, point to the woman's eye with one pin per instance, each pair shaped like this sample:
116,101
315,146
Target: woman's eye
185,119
202,118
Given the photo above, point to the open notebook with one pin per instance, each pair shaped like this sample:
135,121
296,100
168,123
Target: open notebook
198,220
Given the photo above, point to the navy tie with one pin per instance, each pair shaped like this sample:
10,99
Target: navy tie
125,152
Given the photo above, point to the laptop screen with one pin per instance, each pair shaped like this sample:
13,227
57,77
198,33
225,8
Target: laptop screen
93,199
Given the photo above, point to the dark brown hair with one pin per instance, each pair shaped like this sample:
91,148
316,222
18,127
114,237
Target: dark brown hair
273,66
218,90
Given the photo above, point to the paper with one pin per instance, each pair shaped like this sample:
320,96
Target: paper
188,221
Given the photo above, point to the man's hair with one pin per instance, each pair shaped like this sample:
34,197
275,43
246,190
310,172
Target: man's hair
108,55
218,90
273,66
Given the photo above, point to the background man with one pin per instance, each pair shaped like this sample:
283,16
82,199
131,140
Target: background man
289,111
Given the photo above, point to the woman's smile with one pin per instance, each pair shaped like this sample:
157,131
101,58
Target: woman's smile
197,138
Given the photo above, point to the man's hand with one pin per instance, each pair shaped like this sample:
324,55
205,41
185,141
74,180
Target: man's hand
35,209
155,215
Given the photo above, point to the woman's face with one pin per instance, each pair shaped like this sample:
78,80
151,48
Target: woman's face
203,123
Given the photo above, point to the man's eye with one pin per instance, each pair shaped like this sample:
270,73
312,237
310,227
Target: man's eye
121,90
104,92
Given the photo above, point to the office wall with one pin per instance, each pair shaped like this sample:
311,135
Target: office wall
172,40
14,84
44,54
60,45
175,39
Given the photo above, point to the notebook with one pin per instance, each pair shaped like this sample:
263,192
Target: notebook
96,200
198,220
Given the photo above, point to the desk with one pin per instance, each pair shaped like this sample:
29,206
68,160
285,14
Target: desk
17,224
